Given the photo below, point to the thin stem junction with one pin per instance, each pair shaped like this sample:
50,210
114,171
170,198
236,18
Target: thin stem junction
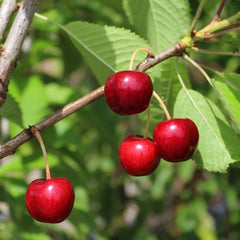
148,51
197,16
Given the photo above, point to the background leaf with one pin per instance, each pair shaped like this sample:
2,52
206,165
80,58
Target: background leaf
33,101
12,111
106,49
229,94
218,144
162,23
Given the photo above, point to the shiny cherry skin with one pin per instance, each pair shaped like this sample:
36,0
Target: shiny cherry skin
128,92
176,139
138,156
51,200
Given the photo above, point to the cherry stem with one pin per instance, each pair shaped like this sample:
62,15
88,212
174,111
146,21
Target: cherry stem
147,50
36,132
162,104
207,51
221,32
217,16
197,16
148,122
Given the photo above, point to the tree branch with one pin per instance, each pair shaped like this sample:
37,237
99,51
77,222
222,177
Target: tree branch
176,50
13,44
216,26
217,16
6,11
208,51
11,146
197,16
221,32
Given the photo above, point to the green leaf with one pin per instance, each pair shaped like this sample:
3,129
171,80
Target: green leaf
229,95
106,49
161,22
14,165
218,143
12,111
32,98
164,174
81,195
20,164
33,101
58,94
15,187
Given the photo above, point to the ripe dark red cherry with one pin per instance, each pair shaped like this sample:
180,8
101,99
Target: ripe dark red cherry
51,200
176,139
138,156
128,92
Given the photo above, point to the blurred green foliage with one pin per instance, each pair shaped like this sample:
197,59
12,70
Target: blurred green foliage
178,201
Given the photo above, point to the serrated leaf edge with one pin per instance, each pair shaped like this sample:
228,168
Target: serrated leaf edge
201,114
81,43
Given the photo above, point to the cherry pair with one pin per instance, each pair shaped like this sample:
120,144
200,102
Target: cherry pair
174,140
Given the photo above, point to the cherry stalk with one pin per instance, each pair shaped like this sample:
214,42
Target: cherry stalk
148,51
217,16
37,134
162,104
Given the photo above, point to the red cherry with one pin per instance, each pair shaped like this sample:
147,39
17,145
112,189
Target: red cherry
176,139
128,92
138,155
50,200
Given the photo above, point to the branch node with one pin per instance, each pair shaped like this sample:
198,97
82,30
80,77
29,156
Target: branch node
32,130
193,33
180,48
